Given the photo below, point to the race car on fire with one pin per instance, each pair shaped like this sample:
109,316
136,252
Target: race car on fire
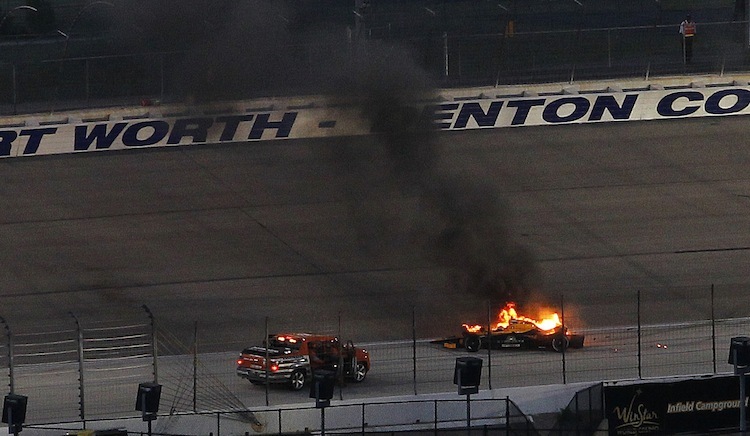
513,331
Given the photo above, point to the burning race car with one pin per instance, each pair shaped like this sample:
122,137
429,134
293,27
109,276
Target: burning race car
514,331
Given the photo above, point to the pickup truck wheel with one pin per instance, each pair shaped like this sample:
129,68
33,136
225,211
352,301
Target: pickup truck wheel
472,343
297,380
359,373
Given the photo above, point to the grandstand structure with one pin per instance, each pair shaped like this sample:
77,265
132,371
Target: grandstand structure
73,54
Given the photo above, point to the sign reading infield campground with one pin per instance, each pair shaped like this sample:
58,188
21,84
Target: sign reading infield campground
317,122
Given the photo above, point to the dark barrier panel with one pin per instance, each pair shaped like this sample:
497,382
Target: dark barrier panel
699,405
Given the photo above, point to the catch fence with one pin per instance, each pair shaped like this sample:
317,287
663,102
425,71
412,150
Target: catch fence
485,416
90,369
60,81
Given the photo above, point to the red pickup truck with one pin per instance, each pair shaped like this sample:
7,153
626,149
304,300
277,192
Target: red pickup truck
292,357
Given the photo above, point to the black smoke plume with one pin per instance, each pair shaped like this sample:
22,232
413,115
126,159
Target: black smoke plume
241,48
461,221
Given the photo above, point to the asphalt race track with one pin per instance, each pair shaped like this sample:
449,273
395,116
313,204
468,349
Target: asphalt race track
228,235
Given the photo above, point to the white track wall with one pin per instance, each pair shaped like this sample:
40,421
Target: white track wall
136,128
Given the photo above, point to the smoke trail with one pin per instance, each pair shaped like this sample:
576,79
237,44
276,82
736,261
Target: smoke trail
462,224
241,48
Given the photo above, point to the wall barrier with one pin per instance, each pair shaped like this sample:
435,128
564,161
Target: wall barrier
265,121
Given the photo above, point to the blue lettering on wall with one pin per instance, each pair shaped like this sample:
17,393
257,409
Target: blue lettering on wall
283,127
159,130
551,112
665,107
523,108
196,128
713,105
439,113
6,141
231,123
474,110
609,103
35,138
99,135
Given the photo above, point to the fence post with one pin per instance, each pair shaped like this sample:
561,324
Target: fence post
153,343
577,411
88,81
195,367
489,344
445,54
579,37
435,416
341,363
81,392
267,357
638,312
507,416
414,348
363,417
15,89
564,346
713,328
10,353
161,78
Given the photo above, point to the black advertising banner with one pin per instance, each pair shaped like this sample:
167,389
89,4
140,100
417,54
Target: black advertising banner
698,405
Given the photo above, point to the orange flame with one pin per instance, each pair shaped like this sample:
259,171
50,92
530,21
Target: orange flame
509,314
472,328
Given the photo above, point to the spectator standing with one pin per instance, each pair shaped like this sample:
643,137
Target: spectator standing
687,31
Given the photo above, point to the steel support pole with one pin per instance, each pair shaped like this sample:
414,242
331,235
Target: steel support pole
322,421
195,367
266,363
81,391
741,371
713,328
15,90
489,347
638,311
414,348
445,54
564,339
743,406
154,350
10,354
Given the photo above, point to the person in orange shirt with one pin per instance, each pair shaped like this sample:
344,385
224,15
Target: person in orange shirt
687,31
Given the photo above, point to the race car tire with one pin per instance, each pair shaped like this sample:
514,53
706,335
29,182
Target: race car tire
359,373
472,343
256,382
297,380
560,343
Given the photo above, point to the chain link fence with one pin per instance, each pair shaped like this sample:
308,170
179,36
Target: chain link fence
507,58
89,369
